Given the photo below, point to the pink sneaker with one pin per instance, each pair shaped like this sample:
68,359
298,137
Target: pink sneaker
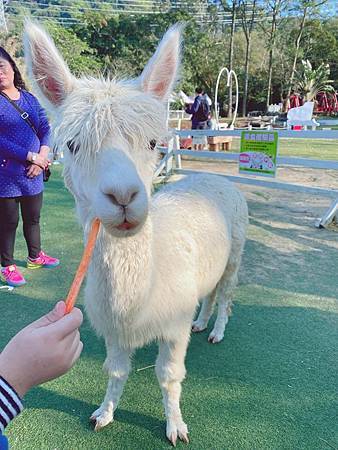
12,276
42,260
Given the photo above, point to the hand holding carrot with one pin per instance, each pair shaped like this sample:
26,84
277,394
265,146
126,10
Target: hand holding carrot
44,350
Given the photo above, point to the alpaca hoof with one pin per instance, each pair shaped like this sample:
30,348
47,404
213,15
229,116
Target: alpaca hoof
100,419
175,430
184,437
101,423
198,326
173,438
215,337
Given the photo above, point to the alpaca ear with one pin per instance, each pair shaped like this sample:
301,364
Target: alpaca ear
161,72
45,65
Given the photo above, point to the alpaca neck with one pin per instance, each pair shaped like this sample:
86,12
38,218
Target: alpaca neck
127,265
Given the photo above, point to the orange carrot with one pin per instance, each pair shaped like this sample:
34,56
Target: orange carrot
83,266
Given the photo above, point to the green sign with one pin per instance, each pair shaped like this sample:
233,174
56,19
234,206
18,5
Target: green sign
258,155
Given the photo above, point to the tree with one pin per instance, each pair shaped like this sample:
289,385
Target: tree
274,11
78,55
232,7
320,44
122,43
309,82
248,12
304,8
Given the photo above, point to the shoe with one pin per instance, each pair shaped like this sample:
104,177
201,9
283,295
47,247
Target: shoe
42,260
12,276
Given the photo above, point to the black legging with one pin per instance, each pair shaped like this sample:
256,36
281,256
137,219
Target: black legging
9,219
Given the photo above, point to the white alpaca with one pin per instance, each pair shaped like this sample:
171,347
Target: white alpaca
156,256
301,113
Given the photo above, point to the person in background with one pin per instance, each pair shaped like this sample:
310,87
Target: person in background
44,350
23,158
200,111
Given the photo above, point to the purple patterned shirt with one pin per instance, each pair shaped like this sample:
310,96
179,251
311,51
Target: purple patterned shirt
16,140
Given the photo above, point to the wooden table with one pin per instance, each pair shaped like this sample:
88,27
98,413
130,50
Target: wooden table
217,143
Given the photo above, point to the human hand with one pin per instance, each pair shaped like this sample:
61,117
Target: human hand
44,350
40,159
33,171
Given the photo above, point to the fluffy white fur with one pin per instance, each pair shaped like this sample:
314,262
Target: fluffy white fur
183,244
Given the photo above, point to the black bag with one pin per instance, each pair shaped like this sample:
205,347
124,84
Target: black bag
203,112
25,116
46,174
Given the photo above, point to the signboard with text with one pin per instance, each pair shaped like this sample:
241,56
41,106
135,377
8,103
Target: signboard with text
258,154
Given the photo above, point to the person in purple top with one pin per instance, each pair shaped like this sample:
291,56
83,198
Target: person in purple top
199,110
200,114
23,157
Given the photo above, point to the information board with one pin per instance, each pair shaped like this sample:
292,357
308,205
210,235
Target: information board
258,154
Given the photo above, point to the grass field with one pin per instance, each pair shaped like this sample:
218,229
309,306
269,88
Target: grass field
304,148
271,384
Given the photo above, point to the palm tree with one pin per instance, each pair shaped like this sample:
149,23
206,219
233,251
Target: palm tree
309,82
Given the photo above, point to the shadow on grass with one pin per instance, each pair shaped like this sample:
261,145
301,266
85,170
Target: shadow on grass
282,252
46,399
20,262
274,372
274,375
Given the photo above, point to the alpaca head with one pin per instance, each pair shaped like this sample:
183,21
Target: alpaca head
105,128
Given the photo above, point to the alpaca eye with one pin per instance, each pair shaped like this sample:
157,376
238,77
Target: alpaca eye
72,147
152,144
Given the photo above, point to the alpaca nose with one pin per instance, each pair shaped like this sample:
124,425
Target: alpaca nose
122,198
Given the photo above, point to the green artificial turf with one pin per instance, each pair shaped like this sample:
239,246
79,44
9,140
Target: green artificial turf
271,384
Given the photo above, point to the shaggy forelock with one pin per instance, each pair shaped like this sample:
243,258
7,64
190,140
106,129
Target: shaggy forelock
98,110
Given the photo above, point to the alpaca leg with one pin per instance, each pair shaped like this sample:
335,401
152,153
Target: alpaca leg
205,313
170,371
117,365
225,289
223,314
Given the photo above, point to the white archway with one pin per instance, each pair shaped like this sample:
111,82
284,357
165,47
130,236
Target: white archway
229,75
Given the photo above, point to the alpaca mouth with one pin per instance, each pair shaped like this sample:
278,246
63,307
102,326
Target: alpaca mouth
126,225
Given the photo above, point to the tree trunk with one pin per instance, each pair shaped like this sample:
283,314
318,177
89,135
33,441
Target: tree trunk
246,76
247,29
231,54
294,64
268,95
272,37
277,6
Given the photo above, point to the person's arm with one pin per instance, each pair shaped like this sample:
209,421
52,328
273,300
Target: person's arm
10,404
36,168
187,109
14,152
43,133
10,150
19,153
44,127
44,350
194,107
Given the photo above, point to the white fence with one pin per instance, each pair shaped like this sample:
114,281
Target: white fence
173,154
175,114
